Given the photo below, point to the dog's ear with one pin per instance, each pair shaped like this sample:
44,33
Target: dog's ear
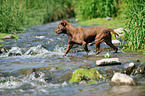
64,23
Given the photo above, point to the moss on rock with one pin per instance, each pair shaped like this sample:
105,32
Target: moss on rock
89,75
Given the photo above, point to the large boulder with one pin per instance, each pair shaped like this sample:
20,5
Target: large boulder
119,79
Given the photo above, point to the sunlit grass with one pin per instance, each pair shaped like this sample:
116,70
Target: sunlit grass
115,23
88,9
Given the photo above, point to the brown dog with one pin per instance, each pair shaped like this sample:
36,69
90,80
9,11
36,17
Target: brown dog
83,36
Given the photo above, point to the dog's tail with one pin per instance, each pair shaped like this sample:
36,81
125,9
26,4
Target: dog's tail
113,32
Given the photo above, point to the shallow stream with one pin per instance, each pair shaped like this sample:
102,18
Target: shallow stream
40,69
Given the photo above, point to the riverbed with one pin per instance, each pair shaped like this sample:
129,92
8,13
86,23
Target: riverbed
40,68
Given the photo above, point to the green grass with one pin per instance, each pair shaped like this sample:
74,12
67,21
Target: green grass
115,23
88,9
135,37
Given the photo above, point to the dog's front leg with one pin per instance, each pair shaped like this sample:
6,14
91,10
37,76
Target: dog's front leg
85,47
69,46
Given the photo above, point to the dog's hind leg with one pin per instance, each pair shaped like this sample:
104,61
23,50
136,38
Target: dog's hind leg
108,42
98,40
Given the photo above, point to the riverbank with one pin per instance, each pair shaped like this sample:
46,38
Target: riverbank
117,22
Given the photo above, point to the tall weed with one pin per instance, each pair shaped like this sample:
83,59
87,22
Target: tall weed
135,14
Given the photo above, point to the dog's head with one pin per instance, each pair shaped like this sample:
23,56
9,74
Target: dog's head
61,27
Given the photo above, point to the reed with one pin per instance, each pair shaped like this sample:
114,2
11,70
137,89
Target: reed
135,14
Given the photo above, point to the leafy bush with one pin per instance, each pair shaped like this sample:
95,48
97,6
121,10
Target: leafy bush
87,9
17,14
135,15
58,9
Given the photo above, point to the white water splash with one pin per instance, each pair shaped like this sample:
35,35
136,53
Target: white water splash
38,83
36,51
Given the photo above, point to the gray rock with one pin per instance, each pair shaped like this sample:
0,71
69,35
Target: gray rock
119,79
116,42
128,68
14,51
109,61
9,37
140,70
108,18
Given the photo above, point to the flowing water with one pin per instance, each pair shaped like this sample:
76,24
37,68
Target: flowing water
38,67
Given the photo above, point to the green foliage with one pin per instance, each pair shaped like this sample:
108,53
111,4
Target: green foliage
58,9
89,75
135,14
117,22
17,14
88,9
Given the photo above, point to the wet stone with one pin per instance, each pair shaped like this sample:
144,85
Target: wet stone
89,75
106,62
129,69
9,37
140,70
109,73
121,79
48,79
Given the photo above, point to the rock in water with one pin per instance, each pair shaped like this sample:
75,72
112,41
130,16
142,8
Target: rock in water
119,79
116,42
9,37
140,70
88,75
110,61
129,68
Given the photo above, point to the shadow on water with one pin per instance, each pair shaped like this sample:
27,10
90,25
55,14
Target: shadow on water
36,65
